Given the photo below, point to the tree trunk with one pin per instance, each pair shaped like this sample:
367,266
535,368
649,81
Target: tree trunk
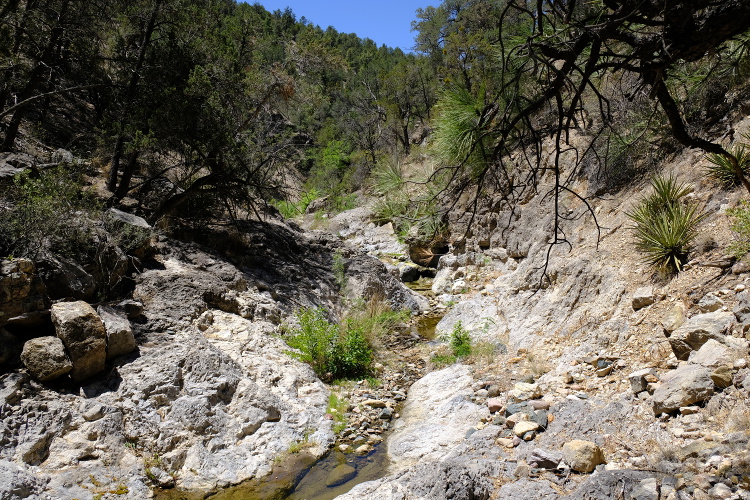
36,79
129,96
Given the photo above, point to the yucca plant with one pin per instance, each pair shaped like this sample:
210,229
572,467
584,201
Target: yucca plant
721,167
665,224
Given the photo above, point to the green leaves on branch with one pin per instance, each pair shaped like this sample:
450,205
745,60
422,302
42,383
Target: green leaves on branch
666,224
460,130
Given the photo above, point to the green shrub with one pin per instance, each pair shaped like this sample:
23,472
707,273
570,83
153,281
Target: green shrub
741,225
665,224
50,212
337,408
460,341
291,209
334,351
721,167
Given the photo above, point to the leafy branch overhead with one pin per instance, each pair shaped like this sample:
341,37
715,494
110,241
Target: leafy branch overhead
573,66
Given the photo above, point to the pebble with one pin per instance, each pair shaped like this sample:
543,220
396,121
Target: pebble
508,443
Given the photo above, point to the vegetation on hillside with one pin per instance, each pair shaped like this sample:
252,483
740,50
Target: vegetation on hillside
201,108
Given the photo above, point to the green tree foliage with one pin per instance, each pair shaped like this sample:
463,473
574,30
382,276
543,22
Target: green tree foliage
219,99
518,74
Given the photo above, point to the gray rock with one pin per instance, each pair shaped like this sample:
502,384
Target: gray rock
606,485
129,219
455,478
710,303
11,387
648,489
83,334
742,309
643,297
697,330
638,382
479,316
436,415
582,456
526,488
544,459
120,338
408,271
340,475
683,387
132,308
368,277
160,477
713,354
45,358
17,482
514,408
22,292
443,281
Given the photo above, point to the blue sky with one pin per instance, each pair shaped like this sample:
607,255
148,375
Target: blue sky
384,21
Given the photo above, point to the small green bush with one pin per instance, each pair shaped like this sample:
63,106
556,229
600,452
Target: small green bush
50,211
460,341
665,224
721,167
290,209
334,351
741,225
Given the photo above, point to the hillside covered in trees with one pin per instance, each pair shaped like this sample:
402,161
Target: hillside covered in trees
233,106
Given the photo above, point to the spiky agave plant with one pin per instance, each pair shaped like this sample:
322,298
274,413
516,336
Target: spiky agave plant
722,169
665,225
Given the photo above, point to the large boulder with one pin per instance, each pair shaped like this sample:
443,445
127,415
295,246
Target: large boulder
82,332
65,279
120,339
45,358
684,386
22,293
134,231
436,416
697,331
368,277
714,354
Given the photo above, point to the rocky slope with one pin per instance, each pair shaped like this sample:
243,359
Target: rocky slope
208,398
606,381
595,378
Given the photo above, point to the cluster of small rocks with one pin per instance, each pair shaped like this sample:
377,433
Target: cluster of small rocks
371,410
